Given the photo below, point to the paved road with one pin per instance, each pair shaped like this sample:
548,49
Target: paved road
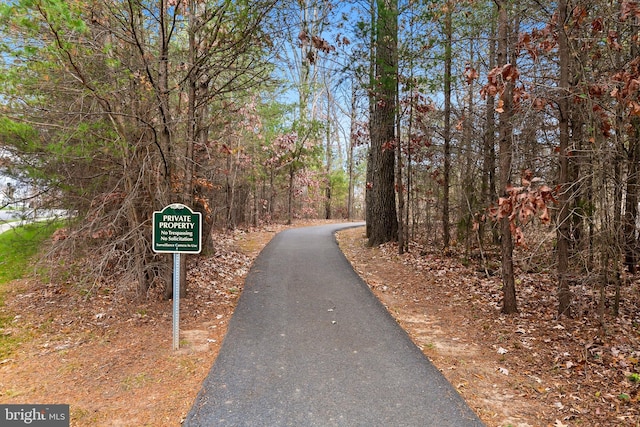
310,345
6,215
6,226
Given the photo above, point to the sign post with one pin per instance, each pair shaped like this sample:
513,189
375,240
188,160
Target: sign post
177,229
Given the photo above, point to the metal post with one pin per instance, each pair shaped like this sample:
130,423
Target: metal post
176,301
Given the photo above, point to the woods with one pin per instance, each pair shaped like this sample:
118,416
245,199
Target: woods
504,132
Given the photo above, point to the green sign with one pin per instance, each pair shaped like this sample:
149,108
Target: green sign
177,229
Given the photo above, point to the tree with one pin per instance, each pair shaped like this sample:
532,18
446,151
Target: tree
381,204
488,186
118,94
564,296
446,172
504,75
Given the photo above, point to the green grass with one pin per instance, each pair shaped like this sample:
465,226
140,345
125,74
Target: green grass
18,247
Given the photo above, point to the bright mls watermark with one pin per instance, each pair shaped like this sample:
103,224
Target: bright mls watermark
34,415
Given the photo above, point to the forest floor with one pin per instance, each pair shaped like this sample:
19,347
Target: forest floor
529,369
109,356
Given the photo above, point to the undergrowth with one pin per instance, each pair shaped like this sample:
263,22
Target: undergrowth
18,247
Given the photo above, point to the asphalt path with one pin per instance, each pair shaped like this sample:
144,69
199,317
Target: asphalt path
310,345
6,226
6,215
8,220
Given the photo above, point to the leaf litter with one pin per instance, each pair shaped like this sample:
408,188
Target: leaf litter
110,358
109,354
530,369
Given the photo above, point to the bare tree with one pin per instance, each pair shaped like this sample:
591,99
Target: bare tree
505,132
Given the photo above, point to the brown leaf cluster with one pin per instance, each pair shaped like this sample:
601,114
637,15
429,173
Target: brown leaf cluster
318,43
497,81
521,204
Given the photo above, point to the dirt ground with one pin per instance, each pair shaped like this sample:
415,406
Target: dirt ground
111,360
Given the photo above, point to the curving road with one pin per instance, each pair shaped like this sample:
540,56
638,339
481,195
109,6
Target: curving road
310,345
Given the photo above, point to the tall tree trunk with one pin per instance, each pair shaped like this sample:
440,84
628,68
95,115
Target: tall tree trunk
350,159
631,203
407,232
564,294
468,187
400,184
166,193
509,304
617,240
163,104
382,218
372,106
489,140
329,156
292,175
408,227
633,180
192,133
446,232
580,163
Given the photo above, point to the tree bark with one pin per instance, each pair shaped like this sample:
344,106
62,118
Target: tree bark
633,184
446,232
564,294
509,304
350,159
368,197
489,142
329,159
631,204
400,186
382,218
